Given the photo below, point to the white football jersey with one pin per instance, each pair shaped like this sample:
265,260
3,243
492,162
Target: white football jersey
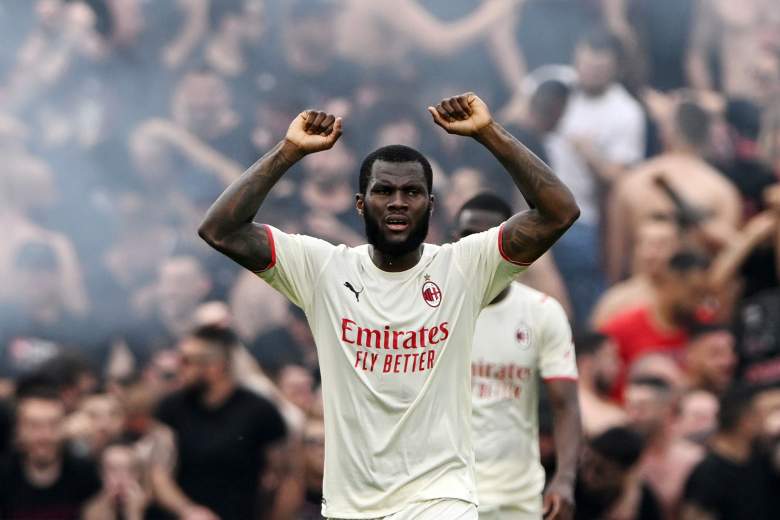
519,341
395,354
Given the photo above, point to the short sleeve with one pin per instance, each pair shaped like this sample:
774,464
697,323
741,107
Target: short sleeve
484,265
296,264
556,355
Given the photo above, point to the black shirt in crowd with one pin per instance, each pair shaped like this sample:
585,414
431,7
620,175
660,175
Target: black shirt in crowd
592,507
728,489
221,451
62,500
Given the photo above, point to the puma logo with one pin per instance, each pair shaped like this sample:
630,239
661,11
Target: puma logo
357,293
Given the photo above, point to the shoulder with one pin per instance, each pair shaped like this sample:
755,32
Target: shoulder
618,94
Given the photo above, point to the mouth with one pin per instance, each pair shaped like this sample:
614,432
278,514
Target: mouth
397,223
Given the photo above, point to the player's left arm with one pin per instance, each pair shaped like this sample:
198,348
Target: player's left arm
567,432
558,370
528,234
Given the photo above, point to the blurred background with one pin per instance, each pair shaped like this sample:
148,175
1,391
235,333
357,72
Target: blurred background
122,120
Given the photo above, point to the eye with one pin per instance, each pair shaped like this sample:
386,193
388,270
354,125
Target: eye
413,191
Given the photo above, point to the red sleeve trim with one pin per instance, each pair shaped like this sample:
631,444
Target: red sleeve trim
560,378
273,249
501,249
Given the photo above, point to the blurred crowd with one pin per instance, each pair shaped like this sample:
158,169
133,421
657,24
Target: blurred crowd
132,357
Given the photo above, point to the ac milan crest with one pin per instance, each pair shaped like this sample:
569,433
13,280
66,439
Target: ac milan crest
431,292
523,336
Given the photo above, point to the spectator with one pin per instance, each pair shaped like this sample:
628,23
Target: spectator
166,308
103,419
607,483
698,415
661,325
123,495
297,386
598,365
223,434
577,254
739,39
656,242
41,479
314,461
731,480
678,185
667,460
28,188
618,141
710,360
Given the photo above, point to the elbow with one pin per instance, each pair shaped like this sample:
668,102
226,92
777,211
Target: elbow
207,233
569,215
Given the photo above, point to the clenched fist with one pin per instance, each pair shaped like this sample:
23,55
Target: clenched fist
465,114
314,131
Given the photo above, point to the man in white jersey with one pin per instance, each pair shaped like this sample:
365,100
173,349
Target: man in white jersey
393,319
521,337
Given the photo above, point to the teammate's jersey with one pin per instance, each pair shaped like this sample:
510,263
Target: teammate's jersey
518,342
394,352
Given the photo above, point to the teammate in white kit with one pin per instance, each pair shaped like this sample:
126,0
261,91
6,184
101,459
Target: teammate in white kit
523,336
393,319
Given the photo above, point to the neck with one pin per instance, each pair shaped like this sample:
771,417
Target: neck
663,316
42,474
683,149
732,446
395,264
659,440
218,392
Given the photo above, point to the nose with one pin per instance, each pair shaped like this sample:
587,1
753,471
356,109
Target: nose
397,201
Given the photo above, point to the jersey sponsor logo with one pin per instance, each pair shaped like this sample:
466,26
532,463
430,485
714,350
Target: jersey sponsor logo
416,346
431,293
356,292
498,381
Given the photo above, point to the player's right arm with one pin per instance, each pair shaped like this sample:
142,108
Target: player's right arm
228,225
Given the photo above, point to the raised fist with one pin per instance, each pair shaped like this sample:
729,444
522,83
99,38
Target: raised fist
314,131
465,114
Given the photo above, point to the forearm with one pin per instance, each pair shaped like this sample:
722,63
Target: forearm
168,493
545,193
567,433
239,203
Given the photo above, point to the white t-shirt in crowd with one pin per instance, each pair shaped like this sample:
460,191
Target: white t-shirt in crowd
573,171
518,342
614,121
395,353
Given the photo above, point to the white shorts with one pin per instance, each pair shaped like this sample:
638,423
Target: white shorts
444,508
507,513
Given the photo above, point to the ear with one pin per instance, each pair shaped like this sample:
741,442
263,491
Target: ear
359,203
432,200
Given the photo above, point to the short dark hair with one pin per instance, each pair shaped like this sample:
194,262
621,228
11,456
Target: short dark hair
620,445
487,201
686,261
224,338
601,39
589,342
693,123
394,153
549,90
734,404
655,383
